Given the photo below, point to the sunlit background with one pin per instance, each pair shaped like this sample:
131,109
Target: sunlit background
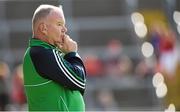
130,49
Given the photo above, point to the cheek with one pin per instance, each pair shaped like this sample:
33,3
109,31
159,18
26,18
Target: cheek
57,34
50,31
54,32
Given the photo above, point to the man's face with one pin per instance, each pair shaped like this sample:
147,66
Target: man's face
56,26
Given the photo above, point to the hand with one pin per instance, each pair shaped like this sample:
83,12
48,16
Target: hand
68,45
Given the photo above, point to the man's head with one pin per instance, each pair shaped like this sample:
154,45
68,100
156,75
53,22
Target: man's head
48,24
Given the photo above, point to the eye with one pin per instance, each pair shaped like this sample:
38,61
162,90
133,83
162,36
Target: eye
59,24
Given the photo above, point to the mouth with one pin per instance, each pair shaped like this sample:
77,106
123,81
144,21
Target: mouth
62,37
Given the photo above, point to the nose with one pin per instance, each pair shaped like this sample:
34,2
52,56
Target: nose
64,29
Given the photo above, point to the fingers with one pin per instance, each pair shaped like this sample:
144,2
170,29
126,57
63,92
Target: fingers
68,45
67,39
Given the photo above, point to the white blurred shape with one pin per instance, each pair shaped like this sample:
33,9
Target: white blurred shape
176,17
147,49
161,90
140,30
137,17
171,108
157,80
178,28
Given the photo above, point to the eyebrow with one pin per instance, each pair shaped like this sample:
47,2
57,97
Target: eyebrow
60,22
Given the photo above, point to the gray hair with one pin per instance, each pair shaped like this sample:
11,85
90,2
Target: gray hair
42,12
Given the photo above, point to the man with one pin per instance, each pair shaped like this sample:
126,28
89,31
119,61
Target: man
54,74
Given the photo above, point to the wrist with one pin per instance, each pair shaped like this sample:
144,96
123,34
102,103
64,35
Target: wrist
71,54
67,52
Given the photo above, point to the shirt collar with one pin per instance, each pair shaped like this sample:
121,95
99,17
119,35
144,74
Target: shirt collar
37,42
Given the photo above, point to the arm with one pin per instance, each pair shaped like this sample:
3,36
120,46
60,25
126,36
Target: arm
68,72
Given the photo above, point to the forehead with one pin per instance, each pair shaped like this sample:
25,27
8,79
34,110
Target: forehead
57,15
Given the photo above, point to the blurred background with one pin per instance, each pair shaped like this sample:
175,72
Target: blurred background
130,49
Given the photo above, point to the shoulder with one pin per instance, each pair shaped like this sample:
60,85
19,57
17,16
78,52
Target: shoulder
37,50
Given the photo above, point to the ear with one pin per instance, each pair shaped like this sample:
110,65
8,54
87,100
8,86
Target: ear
43,28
